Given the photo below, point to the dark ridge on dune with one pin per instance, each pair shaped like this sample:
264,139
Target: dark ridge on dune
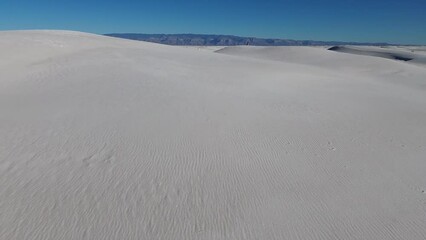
335,48
401,58
389,54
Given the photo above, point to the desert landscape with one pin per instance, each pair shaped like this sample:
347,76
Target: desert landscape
107,138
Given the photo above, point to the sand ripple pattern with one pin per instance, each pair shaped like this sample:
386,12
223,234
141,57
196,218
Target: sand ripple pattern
104,138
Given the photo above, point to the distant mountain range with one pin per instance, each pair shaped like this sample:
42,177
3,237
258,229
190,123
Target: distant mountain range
228,40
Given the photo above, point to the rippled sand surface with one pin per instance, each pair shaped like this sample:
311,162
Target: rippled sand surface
103,138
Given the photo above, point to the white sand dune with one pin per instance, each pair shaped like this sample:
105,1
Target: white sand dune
104,138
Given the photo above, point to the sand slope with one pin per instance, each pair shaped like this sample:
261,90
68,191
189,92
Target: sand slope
104,138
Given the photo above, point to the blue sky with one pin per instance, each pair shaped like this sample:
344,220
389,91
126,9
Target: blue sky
345,20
